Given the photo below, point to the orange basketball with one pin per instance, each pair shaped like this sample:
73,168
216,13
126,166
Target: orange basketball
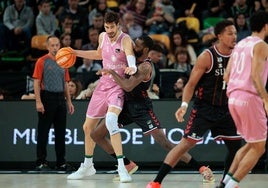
65,57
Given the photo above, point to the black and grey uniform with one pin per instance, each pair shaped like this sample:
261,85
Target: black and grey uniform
210,107
52,95
138,108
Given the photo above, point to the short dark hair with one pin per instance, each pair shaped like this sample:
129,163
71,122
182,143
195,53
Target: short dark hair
111,17
51,36
147,41
220,26
258,21
41,2
157,47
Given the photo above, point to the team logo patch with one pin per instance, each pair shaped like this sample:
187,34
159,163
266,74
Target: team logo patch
150,125
193,135
219,59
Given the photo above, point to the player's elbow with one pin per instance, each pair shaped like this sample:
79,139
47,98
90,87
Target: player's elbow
128,88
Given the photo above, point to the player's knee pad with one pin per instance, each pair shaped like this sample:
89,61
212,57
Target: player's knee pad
111,123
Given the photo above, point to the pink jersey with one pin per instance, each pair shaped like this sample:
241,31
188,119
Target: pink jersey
245,105
113,57
108,92
240,78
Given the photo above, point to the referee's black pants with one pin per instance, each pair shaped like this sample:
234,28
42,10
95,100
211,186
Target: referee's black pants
55,114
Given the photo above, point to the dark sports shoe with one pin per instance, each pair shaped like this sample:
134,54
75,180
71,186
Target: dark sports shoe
43,167
65,167
221,185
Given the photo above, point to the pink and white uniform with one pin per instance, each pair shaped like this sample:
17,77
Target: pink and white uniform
245,105
108,92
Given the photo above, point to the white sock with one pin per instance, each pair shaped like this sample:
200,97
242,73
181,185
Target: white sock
88,161
227,177
231,183
121,164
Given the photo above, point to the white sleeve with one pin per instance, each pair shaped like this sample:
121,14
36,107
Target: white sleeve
131,61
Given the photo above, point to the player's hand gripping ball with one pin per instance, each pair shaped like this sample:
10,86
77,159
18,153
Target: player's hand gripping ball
65,57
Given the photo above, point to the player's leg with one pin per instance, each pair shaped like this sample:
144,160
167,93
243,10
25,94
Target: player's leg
111,122
170,161
249,159
87,167
99,135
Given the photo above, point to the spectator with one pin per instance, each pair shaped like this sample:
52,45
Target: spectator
178,39
46,22
80,23
87,71
88,66
130,27
179,86
93,37
216,8
160,18
17,27
242,27
87,93
65,26
98,22
65,40
100,7
139,9
182,62
240,7
75,88
156,54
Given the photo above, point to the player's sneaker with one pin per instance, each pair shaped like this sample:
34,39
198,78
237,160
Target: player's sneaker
82,172
208,176
131,168
124,176
153,185
221,185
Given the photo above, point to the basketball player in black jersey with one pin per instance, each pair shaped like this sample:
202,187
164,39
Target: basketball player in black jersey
138,106
210,107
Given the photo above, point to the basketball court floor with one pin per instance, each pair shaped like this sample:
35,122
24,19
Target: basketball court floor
13,179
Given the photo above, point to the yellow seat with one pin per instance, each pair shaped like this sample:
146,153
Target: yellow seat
164,39
112,3
39,42
191,23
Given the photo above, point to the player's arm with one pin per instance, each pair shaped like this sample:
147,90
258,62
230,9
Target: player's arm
91,54
260,54
203,64
143,74
131,59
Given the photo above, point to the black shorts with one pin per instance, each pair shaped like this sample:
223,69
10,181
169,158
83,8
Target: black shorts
141,113
206,117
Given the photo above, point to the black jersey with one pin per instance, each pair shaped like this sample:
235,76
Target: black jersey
212,88
140,91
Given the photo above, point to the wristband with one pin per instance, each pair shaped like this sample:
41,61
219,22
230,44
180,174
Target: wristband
184,104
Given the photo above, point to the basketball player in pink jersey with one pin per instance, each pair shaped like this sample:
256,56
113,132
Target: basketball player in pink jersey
116,50
246,74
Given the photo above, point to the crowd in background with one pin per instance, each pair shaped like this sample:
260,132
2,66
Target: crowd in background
78,24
